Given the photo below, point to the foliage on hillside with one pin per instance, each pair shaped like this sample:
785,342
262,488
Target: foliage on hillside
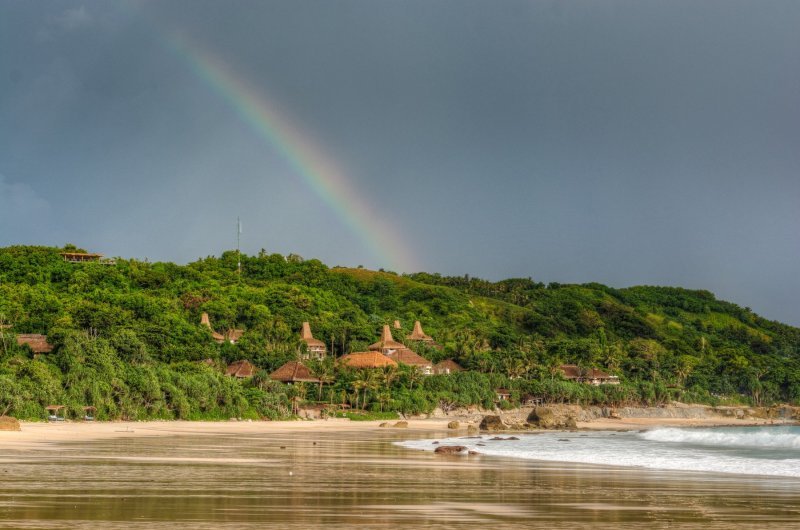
128,337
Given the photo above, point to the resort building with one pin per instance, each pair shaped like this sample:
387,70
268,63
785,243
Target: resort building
420,336
205,321
387,344
398,352
446,367
232,335
406,356
367,359
37,343
316,348
590,376
293,372
241,369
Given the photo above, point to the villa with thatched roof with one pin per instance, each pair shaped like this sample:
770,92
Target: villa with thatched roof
241,369
387,344
205,321
367,359
294,372
590,376
232,335
419,335
448,366
316,348
406,356
37,343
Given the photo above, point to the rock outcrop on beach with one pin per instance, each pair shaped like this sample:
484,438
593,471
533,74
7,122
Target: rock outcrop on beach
453,425
550,418
492,423
401,425
7,423
450,449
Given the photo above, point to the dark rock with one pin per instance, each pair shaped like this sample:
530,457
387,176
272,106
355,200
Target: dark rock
474,453
435,443
450,449
492,423
512,438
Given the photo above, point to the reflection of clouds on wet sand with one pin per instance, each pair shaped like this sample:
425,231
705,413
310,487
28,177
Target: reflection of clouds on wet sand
301,476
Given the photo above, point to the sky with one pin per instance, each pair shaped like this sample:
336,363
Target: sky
622,142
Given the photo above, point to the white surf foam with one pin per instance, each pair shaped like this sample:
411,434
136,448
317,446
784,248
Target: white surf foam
770,438
660,449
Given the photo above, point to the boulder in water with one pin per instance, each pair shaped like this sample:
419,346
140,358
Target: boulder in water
453,425
450,449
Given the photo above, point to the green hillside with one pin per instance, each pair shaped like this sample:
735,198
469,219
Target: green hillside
127,338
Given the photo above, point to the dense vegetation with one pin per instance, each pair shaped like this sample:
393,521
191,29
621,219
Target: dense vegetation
128,338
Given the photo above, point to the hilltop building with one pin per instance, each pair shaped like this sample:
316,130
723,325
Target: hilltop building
86,257
316,348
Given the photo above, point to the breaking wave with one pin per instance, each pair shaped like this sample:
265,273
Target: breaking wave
783,438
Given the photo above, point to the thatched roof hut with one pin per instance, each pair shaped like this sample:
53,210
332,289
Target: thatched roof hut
448,366
387,343
293,372
367,359
241,369
233,335
406,356
37,343
205,321
418,334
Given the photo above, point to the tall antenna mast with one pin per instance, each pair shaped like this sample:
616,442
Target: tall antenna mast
238,253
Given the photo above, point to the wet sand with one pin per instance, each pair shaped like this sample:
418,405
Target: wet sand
341,474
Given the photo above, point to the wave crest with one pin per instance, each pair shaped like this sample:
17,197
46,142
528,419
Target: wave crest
772,437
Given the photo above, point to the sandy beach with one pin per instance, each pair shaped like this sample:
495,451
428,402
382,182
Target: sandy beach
339,473
43,433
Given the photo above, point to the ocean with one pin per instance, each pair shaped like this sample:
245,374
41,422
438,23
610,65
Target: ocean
772,451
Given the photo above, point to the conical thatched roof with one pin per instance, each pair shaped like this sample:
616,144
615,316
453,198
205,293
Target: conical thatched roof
367,359
410,358
387,342
205,321
418,334
308,338
397,324
293,372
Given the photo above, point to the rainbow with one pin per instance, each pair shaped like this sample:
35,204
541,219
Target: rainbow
308,160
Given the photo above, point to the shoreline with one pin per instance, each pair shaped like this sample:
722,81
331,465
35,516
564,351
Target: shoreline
43,434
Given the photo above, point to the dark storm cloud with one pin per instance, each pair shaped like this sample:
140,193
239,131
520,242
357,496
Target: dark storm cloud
621,142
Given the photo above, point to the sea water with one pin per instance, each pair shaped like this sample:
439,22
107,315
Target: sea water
771,451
